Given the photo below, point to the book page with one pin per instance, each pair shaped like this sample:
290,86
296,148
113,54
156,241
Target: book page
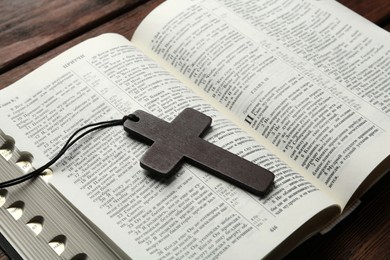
193,214
309,76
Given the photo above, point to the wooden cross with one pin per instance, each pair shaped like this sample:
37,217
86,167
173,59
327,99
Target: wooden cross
172,142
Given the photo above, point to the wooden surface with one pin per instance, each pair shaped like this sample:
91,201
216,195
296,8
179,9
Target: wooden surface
29,28
32,32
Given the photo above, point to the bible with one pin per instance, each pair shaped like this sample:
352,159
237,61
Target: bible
298,88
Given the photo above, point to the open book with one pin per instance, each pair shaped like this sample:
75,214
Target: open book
298,87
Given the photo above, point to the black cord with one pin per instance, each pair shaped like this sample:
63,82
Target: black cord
71,141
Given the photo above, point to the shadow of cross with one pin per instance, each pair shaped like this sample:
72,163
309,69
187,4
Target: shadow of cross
180,139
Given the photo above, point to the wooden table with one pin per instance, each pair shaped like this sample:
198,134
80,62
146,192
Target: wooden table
32,32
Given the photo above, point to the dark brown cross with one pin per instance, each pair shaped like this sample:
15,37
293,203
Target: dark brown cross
171,142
